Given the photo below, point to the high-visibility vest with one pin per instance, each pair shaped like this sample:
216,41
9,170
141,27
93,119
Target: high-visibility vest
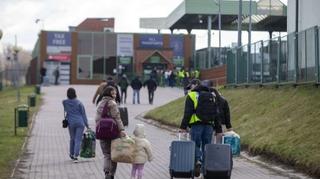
196,74
194,97
181,74
187,74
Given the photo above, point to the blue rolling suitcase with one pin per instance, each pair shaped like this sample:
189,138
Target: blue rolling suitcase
182,159
233,139
218,161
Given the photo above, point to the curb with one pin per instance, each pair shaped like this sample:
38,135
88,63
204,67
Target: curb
290,173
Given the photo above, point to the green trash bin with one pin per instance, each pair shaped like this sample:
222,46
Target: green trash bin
23,114
37,89
32,100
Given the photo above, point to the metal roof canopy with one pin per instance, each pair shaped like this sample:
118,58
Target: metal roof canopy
267,15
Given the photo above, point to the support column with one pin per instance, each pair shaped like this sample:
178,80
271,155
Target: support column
219,19
209,40
249,42
296,43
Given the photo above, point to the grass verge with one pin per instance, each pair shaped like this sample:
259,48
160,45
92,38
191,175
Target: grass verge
281,123
10,145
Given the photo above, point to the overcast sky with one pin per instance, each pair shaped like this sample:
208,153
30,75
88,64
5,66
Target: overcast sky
17,17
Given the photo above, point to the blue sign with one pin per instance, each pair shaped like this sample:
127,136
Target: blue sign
176,43
58,39
151,41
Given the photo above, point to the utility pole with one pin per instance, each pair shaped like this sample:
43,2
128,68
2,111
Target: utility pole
239,40
219,52
209,40
296,42
249,41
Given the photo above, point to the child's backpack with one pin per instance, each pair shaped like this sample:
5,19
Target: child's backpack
207,109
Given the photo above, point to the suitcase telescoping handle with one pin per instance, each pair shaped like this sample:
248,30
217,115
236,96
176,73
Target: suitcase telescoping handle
185,133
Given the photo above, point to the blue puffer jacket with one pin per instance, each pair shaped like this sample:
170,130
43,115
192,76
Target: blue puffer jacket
76,113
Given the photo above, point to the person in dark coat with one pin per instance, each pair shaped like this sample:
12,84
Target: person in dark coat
224,111
185,84
98,94
43,73
152,86
136,85
56,76
123,83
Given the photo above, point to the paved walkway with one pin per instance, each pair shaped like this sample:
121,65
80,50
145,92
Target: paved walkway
46,155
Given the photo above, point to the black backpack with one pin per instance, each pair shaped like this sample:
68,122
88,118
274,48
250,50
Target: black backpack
207,109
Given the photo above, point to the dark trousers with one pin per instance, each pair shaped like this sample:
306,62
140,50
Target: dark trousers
56,82
151,95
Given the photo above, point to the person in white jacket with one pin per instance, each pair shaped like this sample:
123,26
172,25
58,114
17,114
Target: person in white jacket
143,152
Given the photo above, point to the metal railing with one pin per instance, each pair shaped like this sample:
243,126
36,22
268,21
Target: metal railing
275,61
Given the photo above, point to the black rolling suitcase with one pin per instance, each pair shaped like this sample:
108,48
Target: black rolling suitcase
124,115
218,161
182,158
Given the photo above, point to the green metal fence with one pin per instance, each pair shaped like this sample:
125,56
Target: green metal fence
276,61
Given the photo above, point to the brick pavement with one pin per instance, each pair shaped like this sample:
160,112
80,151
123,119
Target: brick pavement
46,155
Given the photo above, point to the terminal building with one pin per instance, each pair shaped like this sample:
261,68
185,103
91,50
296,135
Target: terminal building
92,51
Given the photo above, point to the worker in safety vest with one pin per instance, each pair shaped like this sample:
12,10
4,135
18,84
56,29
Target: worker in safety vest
200,130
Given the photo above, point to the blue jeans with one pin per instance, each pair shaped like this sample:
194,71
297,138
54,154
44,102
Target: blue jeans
201,135
76,132
136,93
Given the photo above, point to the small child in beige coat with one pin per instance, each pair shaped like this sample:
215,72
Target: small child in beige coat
142,152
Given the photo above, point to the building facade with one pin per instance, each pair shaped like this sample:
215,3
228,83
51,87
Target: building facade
307,15
87,57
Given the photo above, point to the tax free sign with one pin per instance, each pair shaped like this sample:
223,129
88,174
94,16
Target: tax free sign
58,42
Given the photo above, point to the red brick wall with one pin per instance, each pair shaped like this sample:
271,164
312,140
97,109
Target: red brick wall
32,72
142,54
95,24
218,75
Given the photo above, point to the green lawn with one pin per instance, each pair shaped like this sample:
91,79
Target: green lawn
10,145
282,123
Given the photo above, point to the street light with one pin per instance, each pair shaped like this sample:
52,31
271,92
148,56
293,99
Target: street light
15,67
15,57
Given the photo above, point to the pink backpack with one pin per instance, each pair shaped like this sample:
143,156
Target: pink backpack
106,128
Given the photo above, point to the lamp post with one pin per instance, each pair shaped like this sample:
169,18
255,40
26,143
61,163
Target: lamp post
17,68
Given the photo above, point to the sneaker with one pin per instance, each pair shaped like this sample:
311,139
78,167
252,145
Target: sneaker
197,169
71,156
75,160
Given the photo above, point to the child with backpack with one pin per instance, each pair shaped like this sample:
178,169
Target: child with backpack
142,152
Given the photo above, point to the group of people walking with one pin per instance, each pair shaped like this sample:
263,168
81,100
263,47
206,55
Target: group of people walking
136,85
107,96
